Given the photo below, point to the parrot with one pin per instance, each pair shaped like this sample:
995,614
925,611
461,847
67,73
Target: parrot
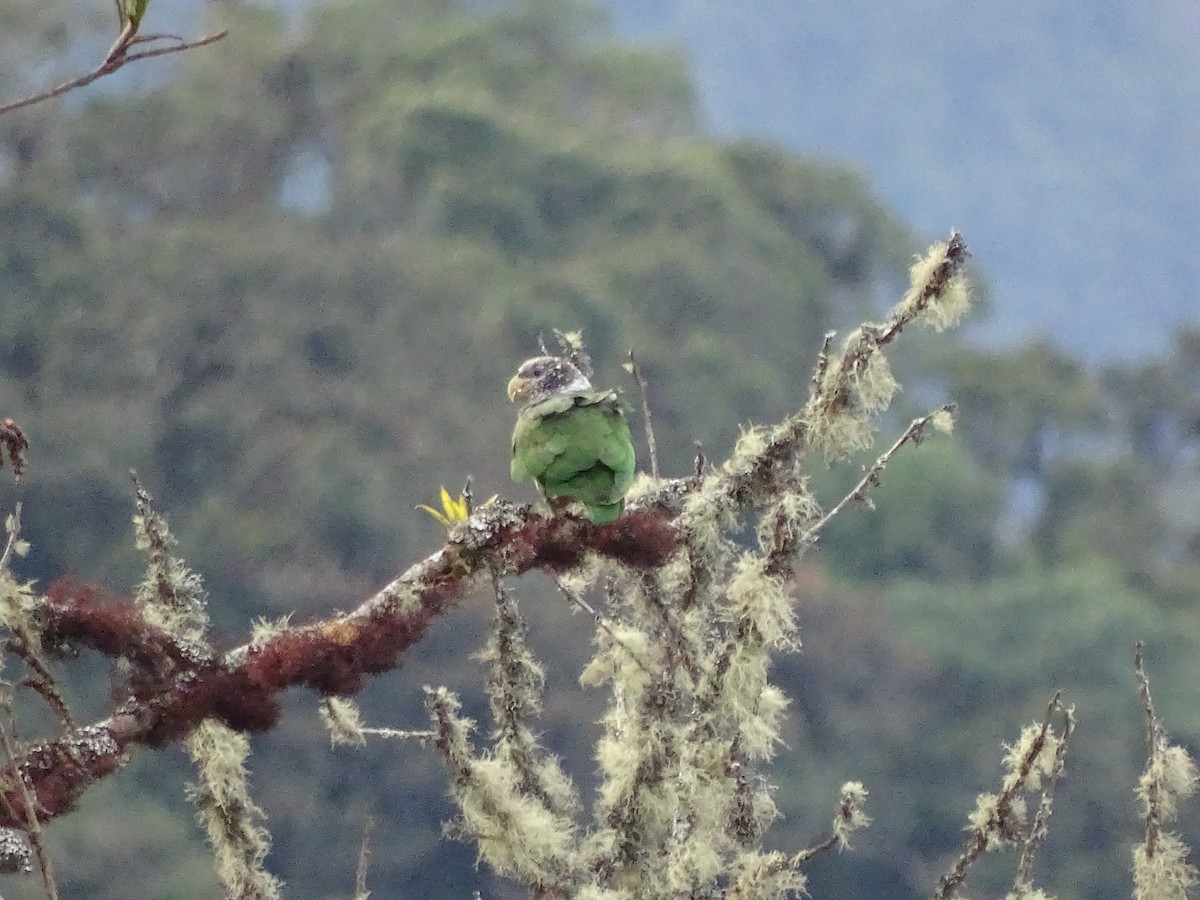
572,439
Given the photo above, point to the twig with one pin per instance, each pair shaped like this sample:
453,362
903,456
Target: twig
332,656
401,734
1155,737
646,419
123,42
26,644
808,853
1039,829
118,57
364,857
1160,867
822,366
14,529
600,619
977,843
953,259
847,817
914,432
33,827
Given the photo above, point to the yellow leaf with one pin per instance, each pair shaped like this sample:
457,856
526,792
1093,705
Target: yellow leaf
454,509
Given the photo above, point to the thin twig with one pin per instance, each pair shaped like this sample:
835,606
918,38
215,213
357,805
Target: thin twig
1154,741
844,815
14,529
647,422
176,48
977,843
1038,829
34,827
364,857
600,619
809,852
954,257
822,366
118,57
26,645
121,45
914,432
401,734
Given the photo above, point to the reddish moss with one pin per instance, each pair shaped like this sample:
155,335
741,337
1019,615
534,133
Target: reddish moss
59,773
638,539
549,543
78,614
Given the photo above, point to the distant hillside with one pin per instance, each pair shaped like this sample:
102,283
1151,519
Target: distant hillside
1061,139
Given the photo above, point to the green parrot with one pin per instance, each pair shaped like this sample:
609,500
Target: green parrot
571,439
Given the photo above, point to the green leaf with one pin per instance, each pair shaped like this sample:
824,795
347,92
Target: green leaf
131,12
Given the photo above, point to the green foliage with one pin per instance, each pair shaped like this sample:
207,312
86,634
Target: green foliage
1157,405
1101,511
1020,405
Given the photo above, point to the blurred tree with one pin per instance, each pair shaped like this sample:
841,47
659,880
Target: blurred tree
1022,407
1107,511
1157,404
934,518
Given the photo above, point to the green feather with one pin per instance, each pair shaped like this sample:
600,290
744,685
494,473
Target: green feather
576,446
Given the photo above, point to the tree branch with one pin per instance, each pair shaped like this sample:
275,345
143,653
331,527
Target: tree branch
116,58
331,656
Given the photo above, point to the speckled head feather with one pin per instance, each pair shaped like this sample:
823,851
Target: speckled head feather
545,376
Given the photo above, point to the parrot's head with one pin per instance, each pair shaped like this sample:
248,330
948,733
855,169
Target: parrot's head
543,376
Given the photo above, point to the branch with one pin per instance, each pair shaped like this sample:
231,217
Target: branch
14,445
177,683
994,823
33,826
915,432
117,58
840,404
647,422
1160,866
332,656
1155,743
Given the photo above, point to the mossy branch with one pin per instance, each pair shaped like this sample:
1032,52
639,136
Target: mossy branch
176,685
1034,764
1161,870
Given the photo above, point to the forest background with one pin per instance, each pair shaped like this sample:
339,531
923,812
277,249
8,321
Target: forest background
286,277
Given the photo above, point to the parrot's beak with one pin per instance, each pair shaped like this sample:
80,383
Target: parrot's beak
518,388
